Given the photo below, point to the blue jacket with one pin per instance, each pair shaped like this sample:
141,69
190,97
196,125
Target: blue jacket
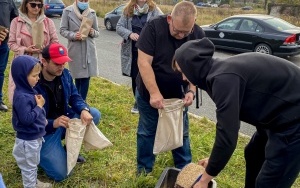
73,102
28,119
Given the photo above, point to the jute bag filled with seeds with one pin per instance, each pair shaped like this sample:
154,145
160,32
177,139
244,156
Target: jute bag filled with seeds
188,176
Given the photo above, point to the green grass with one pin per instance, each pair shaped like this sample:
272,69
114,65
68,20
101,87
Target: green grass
115,166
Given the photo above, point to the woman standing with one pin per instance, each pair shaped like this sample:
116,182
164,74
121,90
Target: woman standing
30,32
81,49
136,14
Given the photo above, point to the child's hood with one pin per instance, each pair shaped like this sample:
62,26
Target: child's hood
20,69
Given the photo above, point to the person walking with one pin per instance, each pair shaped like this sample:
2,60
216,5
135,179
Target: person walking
8,12
135,15
258,89
157,81
82,49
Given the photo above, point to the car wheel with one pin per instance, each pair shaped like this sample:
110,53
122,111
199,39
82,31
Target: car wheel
108,25
263,48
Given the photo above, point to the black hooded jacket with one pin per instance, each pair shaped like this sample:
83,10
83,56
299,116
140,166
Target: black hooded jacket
259,89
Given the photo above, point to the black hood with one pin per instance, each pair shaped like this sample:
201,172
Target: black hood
195,60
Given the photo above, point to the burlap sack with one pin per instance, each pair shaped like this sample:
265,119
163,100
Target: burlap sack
85,27
38,34
169,133
94,138
74,138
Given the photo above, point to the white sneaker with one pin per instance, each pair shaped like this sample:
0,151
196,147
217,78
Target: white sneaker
134,109
40,184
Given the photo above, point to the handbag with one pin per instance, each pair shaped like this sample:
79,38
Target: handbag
169,132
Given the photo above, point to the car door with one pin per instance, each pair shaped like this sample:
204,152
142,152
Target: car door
247,35
222,34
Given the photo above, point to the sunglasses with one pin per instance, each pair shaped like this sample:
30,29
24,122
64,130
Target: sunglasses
39,5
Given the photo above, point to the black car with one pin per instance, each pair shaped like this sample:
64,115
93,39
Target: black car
255,32
111,18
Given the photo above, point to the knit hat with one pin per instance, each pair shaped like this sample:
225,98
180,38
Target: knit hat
57,53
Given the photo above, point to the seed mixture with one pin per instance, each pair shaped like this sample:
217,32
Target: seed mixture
188,175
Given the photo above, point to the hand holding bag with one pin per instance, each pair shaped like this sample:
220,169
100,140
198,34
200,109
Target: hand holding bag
169,132
85,27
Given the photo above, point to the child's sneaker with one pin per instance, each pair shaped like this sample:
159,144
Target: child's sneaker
40,184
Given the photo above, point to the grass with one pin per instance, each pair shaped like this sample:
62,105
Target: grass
114,167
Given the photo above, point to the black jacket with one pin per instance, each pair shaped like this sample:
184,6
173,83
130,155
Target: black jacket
8,12
262,90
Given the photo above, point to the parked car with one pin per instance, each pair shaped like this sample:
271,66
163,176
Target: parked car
255,32
111,18
52,7
247,8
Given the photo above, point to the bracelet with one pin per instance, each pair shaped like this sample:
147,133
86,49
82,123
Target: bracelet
191,91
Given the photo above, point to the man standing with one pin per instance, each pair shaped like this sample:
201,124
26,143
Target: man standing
8,12
157,81
258,89
62,102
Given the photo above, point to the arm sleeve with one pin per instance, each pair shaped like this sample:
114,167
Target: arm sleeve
13,41
64,26
95,26
122,27
227,92
14,12
52,31
27,111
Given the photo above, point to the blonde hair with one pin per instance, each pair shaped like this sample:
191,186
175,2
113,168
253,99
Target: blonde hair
184,10
36,68
128,10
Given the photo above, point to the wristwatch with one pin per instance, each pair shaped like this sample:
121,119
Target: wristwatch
86,109
192,93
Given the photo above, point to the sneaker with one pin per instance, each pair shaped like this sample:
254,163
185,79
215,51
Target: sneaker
3,107
134,109
40,184
81,159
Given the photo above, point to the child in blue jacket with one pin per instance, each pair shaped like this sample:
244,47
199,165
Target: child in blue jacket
28,119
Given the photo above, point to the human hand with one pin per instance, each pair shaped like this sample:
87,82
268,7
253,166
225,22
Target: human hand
91,31
156,100
3,34
203,162
134,36
32,49
188,99
78,36
61,121
86,117
40,101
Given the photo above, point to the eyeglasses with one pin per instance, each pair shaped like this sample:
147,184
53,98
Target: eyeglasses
185,33
39,5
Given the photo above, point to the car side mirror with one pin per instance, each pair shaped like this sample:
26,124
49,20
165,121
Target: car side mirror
215,27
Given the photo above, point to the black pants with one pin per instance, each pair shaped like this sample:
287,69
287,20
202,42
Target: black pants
134,70
273,158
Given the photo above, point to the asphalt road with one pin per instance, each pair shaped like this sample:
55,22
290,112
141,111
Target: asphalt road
108,51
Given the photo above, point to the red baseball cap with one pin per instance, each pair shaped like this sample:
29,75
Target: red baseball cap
57,53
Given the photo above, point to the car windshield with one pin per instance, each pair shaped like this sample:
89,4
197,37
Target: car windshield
54,1
279,24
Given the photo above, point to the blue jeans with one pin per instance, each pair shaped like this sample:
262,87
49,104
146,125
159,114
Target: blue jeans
146,134
54,156
4,52
82,85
